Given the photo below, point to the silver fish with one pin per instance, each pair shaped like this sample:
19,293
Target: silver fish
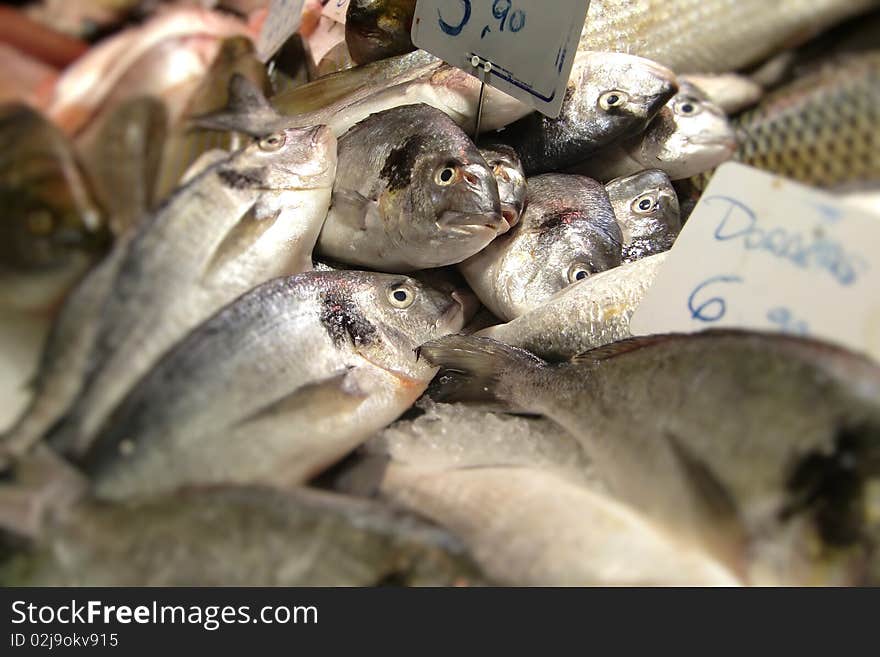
277,386
762,448
646,208
511,180
526,501
610,96
589,314
244,220
207,538
709,36
688,136
568,232
344,99
411,192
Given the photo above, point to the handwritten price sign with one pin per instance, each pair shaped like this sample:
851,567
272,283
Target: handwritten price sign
530,44
763,253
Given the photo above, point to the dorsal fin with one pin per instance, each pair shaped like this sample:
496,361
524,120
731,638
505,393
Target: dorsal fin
247,111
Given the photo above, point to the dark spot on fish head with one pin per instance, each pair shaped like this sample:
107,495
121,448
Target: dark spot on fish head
398,168
344,321
251,178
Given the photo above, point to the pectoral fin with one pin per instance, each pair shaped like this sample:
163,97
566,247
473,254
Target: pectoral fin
352,208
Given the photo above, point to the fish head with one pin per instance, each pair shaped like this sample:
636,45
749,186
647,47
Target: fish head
398,313
619,93
290,159
511,179
449,207
561,240
645,203
375,29
689,136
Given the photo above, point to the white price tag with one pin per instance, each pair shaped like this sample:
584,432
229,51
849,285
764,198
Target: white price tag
336,9
530,44
763,253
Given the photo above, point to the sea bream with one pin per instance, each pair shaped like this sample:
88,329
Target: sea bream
276,386
377,29
245,219
240,536
647,211
567,233
688,136
609,96
588,314
411,192
526,502
762,448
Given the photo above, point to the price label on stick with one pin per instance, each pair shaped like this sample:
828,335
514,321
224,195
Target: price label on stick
336,9
763,253
530,45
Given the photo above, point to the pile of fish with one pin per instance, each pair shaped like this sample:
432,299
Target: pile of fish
308,328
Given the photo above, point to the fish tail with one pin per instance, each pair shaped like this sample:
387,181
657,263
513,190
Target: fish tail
479,369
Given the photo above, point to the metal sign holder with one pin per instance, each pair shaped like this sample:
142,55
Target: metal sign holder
483,68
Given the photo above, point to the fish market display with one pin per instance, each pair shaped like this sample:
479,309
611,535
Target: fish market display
377,29
646,208
288,302
755,482
207,538
588,314
244,220
411,192
820,129
277,386
609,96
687,137
511,180
569,221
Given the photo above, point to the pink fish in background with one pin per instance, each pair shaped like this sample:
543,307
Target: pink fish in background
196,34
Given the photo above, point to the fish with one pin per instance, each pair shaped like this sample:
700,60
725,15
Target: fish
511,179
732,92
411,192
761,448
590,313
522,496
567,233
36,39
687,137
275,387
122,156
243,220
821,129
207,538
24,79
336,59
174,46
378,29
646,207
609,96
49,212
344,99
82,18
712,36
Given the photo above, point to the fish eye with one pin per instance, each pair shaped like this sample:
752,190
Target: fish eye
273,143
644,203
401,296
578,272
687,107
612,99
445,176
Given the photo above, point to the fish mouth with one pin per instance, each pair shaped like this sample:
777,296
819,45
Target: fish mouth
510,217
472,222
728,143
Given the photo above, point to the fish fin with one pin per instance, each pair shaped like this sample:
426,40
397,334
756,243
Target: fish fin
352,207
729,537
473,367
617,348
336,394
204,162
247,111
